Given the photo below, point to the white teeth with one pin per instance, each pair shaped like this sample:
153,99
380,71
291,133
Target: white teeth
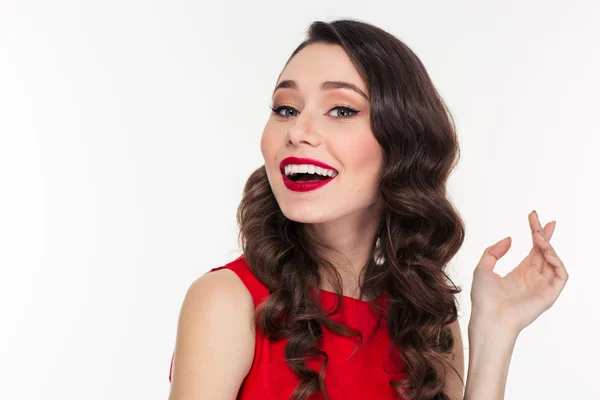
293,169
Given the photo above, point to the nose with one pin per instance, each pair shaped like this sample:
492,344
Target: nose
303,131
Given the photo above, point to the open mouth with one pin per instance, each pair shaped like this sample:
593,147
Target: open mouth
307,177
303,174
307,173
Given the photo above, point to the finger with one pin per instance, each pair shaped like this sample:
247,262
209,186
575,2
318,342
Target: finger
548,231
543,245
493,253
534,221
536,258
552,265
535,255
561,276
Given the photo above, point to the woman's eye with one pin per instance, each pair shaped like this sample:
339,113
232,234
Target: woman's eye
277,110
342,111
345,111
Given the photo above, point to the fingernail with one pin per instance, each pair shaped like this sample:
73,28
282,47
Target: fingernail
535,212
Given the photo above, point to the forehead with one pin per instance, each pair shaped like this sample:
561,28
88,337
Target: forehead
319,62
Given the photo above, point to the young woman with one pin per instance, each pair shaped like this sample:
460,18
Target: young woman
346,231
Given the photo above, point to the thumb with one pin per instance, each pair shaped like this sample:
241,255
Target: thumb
493,254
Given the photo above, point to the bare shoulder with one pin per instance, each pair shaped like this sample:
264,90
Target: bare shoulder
215,338
222,286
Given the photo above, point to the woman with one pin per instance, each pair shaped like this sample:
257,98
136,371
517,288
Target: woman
346,231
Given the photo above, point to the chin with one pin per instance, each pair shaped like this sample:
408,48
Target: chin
307,215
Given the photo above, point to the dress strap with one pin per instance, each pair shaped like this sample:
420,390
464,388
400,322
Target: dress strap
256,288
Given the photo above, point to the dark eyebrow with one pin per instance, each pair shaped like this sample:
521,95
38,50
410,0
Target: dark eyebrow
327,85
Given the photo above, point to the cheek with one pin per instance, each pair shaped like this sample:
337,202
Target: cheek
266,145
362,155
268,148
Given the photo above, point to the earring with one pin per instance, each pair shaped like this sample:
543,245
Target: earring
378,253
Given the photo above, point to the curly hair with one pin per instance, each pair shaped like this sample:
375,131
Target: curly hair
420,230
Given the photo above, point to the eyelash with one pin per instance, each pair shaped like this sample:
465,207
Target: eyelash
343,107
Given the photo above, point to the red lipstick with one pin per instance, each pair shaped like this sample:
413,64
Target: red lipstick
304,186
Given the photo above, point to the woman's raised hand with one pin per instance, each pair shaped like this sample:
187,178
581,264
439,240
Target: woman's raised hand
513,302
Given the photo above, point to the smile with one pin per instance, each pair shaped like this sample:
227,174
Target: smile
305,174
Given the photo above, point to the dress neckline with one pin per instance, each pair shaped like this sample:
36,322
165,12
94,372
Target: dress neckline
352,299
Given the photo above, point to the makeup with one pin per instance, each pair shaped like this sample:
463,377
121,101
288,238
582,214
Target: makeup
305,174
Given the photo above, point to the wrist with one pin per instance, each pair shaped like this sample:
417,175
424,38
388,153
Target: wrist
484,330
492,319
490,352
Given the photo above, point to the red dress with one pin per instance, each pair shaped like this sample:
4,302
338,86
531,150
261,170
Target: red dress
363,375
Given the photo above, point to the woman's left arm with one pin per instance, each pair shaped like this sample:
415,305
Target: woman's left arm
503,306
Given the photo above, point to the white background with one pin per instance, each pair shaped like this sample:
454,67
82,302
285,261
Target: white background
128,129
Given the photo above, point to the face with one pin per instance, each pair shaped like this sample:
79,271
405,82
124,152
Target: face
329,125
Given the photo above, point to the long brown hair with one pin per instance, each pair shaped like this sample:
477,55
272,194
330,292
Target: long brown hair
420,231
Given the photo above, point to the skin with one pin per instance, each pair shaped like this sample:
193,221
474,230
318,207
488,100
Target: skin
503,306
343,213
215,337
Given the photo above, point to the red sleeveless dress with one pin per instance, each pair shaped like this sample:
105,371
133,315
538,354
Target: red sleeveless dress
363,375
